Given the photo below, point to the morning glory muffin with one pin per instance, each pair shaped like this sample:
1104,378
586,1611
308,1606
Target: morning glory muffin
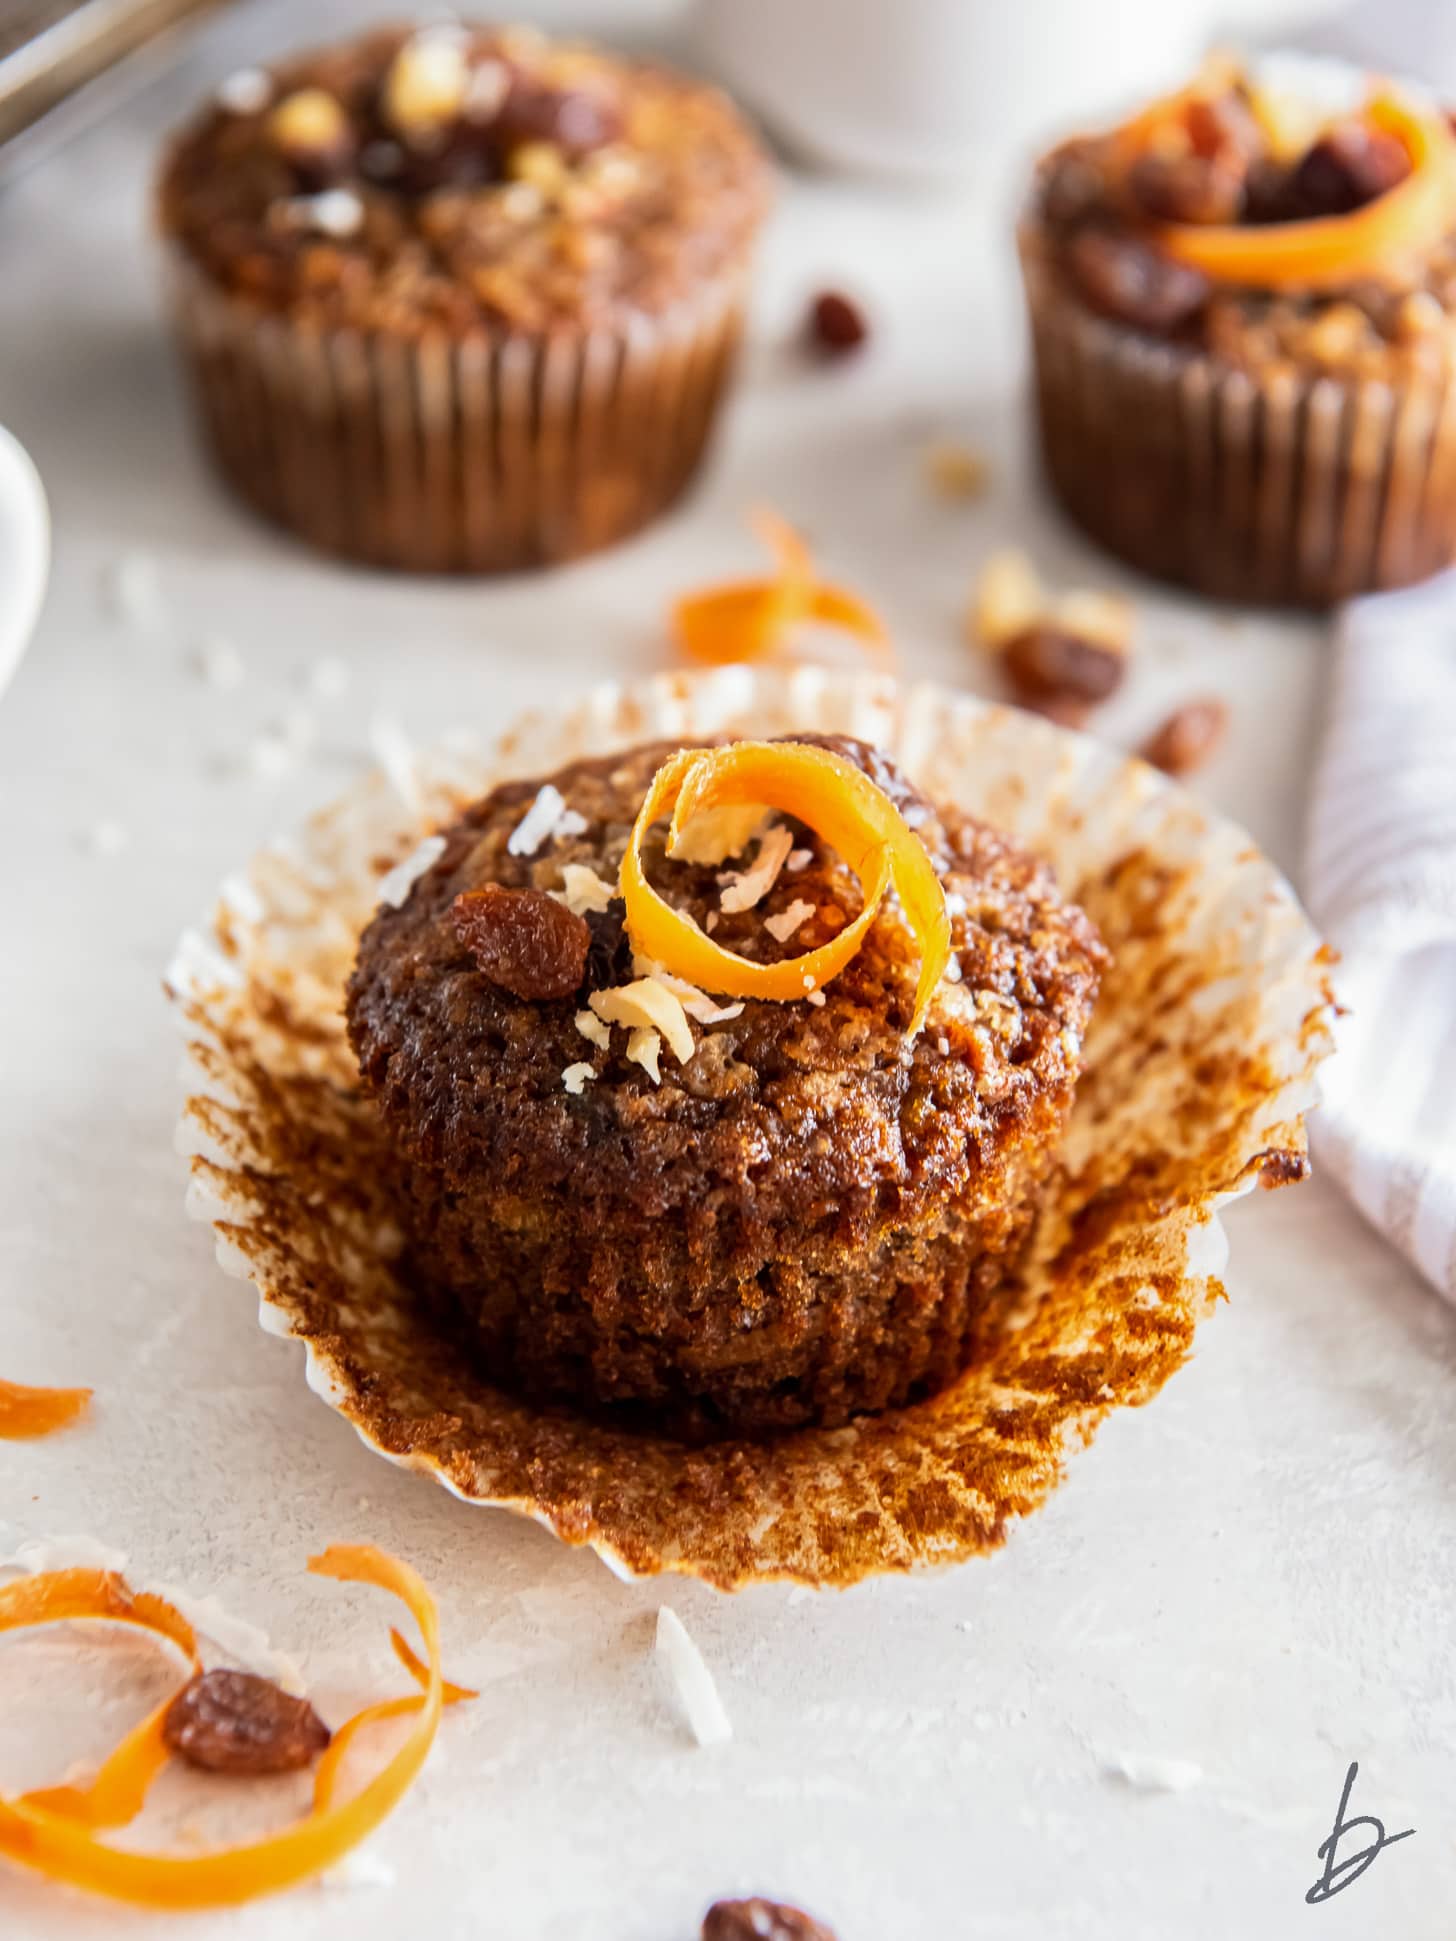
1243,314
717,1213
460,298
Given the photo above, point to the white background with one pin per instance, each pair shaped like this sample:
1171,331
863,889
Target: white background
1255,1574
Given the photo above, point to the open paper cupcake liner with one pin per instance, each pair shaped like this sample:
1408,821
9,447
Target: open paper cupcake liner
479,453
1281,485
1201,1065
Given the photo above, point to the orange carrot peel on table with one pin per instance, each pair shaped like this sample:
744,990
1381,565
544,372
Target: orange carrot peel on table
26,1413
749,620
53,1831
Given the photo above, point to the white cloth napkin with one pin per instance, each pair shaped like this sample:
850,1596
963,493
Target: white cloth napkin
1380,880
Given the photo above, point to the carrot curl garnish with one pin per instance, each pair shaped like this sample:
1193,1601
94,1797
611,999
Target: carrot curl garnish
29,1412
834,798
53,1831
1327,252
748,620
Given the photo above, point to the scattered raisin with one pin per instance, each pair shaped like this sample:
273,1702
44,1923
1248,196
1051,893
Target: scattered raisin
1188,737
761,1920
572,119
1045,663
836,325
1348,167
524,940
1127,279
609,955
1187,188
236,1722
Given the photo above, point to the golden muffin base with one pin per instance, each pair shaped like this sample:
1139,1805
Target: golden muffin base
1201,1065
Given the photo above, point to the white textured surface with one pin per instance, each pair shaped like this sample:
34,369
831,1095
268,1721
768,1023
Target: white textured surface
1255,1575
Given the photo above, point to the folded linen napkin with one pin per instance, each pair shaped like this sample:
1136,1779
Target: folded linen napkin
1380,879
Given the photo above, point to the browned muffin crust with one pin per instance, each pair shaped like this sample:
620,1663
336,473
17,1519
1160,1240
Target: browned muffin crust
564,185
797,1223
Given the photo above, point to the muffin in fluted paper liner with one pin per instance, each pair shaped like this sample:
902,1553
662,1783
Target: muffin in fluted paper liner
460,299
1282,485
498,451
1201,1065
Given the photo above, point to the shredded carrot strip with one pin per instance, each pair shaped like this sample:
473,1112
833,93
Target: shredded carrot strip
1325,252
748,620
420,1671
833,797
119,1791
56,1596
29,1412
54,1842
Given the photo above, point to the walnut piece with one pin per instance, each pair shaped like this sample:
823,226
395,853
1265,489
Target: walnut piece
761,1920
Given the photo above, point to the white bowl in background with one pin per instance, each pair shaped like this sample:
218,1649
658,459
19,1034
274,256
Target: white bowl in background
942,87
25,552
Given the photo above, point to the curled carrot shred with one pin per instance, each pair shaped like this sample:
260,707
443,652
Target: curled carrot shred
29,1412
748,620
1325,252
833,797
53,1832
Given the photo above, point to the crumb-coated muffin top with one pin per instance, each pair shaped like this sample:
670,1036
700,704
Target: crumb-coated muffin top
1227,153
796,1107
448,178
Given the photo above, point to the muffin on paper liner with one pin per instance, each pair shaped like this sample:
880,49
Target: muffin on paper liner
1201,1063
481,453
1286,485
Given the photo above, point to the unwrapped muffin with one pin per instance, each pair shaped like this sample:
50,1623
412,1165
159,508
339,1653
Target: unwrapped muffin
736,1214
461,299
1243,311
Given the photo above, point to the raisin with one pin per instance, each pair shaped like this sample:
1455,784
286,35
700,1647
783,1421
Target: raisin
1047,663
1072,186
1126,278
609,955
1186,188
1348,167
236,1722
524,940
1188,737
836,324
571,119
761,1920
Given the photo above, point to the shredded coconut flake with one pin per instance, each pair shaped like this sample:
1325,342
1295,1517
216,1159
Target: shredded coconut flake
247,92
717,834
547,819
219,663
333,212
392,750
644,1048
788,921
107,838
815,998
704,1708
1152,1774
582,889
743,889
799,859
953,970
328,679
711,923
648,1001
131,590
576,1077
238,1639
395,887
594,1029
942,1045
